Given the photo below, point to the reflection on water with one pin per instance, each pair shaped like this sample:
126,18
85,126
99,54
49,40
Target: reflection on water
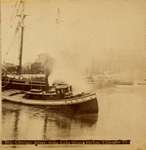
121,116
28,122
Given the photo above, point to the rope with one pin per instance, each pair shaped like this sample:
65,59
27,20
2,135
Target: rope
13,23
7,83
17,7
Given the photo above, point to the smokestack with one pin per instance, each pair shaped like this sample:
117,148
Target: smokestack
47,70
46,82
48,66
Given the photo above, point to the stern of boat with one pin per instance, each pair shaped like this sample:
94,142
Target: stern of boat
89,106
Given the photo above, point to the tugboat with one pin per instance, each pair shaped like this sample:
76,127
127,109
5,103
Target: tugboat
57,96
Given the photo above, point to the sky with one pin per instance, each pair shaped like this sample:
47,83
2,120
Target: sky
110,34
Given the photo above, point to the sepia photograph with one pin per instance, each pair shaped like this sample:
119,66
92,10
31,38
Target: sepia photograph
73,71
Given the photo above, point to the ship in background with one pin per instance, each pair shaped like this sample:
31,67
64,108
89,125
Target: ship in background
58,96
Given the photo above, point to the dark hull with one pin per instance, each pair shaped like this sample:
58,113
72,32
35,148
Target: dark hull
82,104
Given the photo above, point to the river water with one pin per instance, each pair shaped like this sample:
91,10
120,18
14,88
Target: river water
121,116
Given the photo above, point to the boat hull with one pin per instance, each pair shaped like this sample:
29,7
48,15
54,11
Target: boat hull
83,104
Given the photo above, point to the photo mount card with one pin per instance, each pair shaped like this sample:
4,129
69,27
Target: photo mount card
73,74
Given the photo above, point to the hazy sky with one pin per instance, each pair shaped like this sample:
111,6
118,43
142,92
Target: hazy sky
112,32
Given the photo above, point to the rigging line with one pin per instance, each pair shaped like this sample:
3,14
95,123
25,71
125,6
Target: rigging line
15,10
6,55
11,45
13,14
17,25
11,21
12,41
16,3
13,36
18,8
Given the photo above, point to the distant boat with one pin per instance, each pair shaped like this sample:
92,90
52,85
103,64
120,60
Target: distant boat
123,82
37,93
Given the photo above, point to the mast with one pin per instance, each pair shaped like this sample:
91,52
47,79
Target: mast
21,51
21,27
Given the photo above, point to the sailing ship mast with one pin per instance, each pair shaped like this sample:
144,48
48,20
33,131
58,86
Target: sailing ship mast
21,16
20,27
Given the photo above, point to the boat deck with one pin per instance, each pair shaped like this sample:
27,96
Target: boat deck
17,96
